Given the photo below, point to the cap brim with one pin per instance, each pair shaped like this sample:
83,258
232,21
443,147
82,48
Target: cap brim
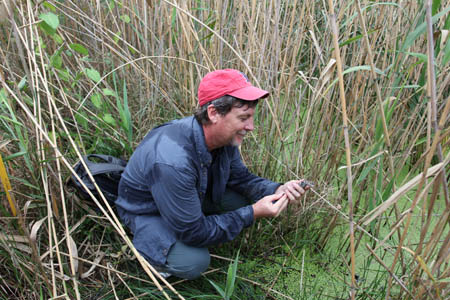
249,93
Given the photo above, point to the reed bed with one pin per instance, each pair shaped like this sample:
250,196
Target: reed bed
359,104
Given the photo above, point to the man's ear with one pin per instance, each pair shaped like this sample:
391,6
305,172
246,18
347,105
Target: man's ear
213,114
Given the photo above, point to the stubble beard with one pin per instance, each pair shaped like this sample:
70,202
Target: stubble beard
238,138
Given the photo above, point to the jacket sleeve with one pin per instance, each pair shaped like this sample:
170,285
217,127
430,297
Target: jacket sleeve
175,193
242,181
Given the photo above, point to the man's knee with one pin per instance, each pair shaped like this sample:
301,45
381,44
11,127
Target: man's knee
187,262
195,268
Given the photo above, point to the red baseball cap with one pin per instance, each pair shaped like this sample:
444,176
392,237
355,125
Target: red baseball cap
231,82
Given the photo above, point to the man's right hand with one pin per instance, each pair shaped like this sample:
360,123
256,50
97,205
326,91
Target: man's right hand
270,206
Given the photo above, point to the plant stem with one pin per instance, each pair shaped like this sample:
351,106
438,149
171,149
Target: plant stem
347,143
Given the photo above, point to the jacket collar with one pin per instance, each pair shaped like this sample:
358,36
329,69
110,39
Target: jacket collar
204,156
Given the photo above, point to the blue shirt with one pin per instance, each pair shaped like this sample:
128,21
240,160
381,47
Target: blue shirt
166,180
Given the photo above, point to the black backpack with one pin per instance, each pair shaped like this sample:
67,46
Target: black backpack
106,170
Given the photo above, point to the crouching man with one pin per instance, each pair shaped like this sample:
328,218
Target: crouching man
186,188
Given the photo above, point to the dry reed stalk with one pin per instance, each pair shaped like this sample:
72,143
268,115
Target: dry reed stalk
51,209
436,144
429,156
347,141
275,56
111,216
372,215
19,37
377,88
426,214
283,81
432,93
399,281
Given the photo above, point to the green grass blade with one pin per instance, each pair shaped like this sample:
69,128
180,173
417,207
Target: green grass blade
218,288
231,277
421,29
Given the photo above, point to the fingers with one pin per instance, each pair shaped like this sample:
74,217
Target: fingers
293,190
280,205
275,197
270,206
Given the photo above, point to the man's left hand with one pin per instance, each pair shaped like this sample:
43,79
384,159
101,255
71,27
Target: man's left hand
292,189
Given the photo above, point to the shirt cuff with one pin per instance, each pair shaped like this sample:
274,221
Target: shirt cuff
246,214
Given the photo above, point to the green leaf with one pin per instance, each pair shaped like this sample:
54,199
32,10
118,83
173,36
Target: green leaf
47,29
79,48
81,119
422,57
108,92
93,74
420,141
96,100
446,53
50,19
125,114
354,69
447,23
408,86
64,75
78,76
108,118
125,18
366,170
22,82
15,155
388,189
132,50
173,17
435,6
117,36
49,6
231,277
57,38
355,38
218,288
412,36
111,4
56,60
15,122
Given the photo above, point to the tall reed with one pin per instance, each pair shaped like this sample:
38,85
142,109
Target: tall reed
94,77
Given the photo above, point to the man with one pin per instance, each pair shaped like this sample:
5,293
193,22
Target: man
185,187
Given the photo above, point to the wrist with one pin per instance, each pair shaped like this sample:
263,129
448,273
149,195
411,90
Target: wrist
256,212
279,189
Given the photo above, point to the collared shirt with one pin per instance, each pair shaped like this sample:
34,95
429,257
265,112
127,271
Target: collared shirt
166,181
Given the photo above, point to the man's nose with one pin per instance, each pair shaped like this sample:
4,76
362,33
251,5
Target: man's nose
249,125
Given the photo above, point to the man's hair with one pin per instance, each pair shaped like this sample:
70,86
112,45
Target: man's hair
223,106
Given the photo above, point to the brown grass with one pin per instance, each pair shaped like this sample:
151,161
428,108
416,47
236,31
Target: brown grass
392,140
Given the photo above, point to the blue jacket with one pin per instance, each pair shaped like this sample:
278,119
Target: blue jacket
167,176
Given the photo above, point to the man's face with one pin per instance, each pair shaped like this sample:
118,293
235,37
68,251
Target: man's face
232,128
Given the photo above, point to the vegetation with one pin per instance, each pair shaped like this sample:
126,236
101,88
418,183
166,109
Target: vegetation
359,104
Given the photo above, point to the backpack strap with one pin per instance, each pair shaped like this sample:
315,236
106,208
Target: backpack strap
104,168
106,158
112,164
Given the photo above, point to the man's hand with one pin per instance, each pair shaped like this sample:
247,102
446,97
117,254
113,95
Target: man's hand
270,206
293,189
